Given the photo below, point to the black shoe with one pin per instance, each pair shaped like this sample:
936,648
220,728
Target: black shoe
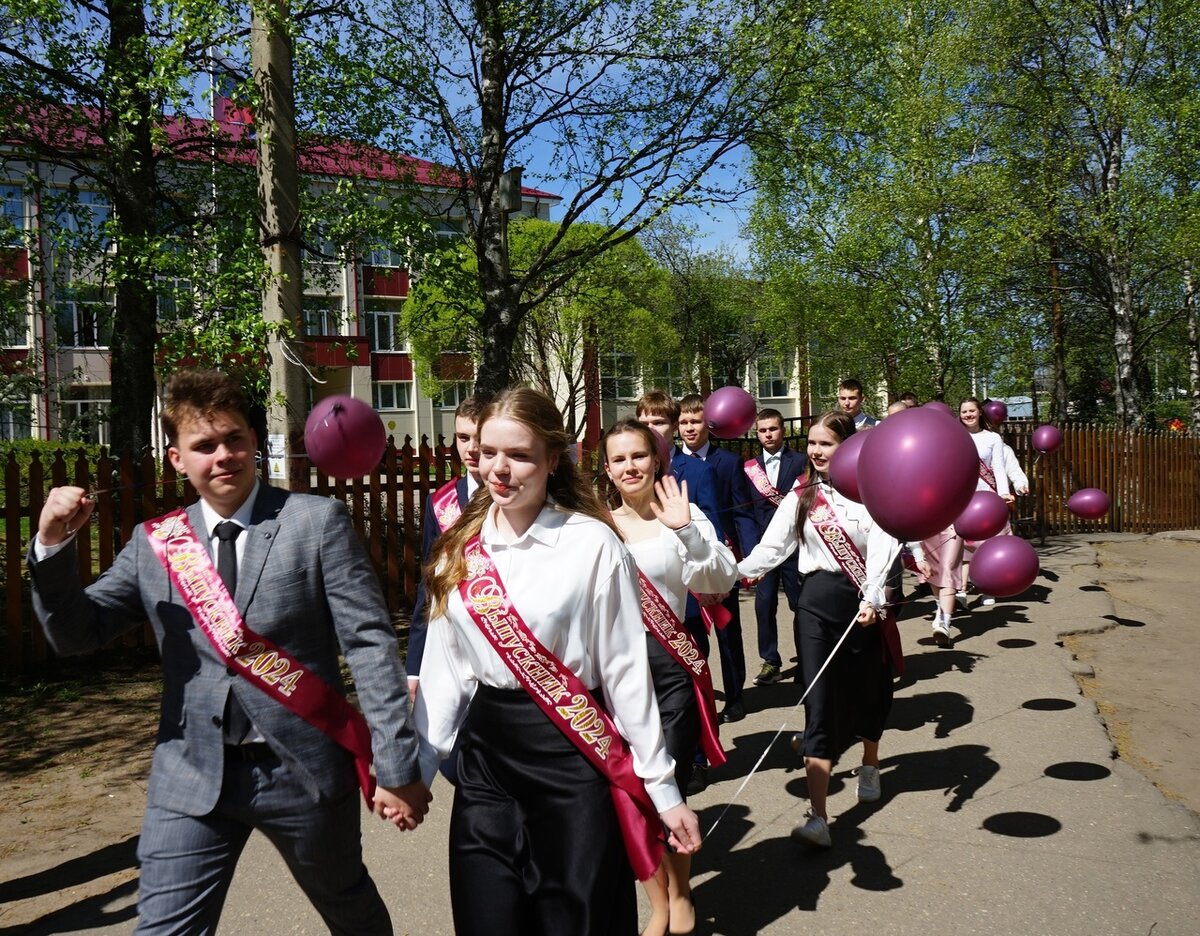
699,781
732,712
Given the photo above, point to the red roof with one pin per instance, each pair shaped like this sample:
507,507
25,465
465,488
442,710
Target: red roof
192,138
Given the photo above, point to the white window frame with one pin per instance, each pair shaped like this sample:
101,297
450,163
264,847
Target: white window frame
453,392
614,380
99,431
377,308
773,372
392,396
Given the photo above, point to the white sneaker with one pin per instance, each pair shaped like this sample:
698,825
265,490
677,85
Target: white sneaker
962,600
941,628
869,789
814,832
986,600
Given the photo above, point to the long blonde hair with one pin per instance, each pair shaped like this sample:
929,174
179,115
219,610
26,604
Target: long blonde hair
447,565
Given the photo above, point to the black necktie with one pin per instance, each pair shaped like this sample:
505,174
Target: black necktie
237,723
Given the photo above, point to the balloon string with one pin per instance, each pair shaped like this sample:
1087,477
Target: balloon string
783,727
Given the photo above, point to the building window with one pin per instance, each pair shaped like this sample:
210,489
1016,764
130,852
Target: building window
454,392
14,325
618,376
393,395
83,318
12,216
84,414
84,218
671,378
384,329
383,257
322,315
322,266
16,422
448,230
774,379
174,297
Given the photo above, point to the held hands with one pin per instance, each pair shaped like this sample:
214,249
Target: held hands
65,511
866,614
672,509
708,600
925,567
684,828
405,806
1010,499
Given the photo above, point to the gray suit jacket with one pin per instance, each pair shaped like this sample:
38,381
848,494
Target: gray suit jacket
304,582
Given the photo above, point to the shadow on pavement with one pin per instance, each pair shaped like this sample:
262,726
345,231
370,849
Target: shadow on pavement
110,859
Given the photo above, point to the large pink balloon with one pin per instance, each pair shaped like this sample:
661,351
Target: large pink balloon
1004,566
937,406
344,437
729,412
917,472
843,467
995,411
984,517
1047,438
1089,503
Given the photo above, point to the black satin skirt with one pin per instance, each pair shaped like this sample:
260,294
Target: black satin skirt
535,848
853,697
676,697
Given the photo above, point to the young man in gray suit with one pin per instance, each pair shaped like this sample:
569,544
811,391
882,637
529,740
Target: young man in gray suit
230,757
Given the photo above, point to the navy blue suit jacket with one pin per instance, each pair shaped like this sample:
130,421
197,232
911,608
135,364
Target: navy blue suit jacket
733,499
701,484
420,614
791,468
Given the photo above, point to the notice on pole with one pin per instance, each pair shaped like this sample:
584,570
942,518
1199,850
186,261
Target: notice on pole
277,456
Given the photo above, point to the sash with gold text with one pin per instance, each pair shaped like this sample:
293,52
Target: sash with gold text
758,477
567,702
264,665
989,476
845,553
669,631
445,505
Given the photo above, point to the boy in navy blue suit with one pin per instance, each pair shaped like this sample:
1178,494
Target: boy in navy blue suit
771,475
740,531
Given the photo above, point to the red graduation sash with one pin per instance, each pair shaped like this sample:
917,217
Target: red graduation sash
567,702
263,664
446,510
758,477
989,476
845,553
669,631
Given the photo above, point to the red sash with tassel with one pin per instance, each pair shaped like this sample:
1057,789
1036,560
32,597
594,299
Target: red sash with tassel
850,560
264,665
567,703
446,510
669,631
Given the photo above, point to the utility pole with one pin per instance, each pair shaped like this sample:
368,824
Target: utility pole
279,198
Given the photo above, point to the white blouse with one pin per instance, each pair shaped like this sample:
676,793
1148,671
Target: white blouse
690,559
990,447
575,586
878,547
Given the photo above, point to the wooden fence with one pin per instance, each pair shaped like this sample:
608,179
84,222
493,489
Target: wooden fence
1153,480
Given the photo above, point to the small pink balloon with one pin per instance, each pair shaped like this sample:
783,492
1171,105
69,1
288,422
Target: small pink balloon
1047,438
843,467
937,406
995,411
1089,503
984,517
666,451
344,437
729,412
1004,566
917,472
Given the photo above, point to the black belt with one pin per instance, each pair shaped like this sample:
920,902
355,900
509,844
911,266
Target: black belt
250,753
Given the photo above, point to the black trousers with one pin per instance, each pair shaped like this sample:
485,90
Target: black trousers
853,697
535,847
676,696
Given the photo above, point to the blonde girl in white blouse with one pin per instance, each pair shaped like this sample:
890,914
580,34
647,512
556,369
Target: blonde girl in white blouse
534,843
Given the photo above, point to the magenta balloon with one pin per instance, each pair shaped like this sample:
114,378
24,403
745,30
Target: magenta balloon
666,450
937,406
1004,566
729,412
344,437
984,517
843,467
1089,503
995,411
1047,438
917,472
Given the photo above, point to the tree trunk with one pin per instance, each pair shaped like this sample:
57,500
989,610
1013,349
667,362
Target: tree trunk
134,190
1127,391
1059,394
1193,320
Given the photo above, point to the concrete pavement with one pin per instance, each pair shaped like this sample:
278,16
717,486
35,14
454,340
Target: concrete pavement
1004,810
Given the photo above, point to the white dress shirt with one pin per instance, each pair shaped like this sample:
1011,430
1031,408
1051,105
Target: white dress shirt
701,453
771,466
1012,470
689,559
575,586
990,447
878,547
